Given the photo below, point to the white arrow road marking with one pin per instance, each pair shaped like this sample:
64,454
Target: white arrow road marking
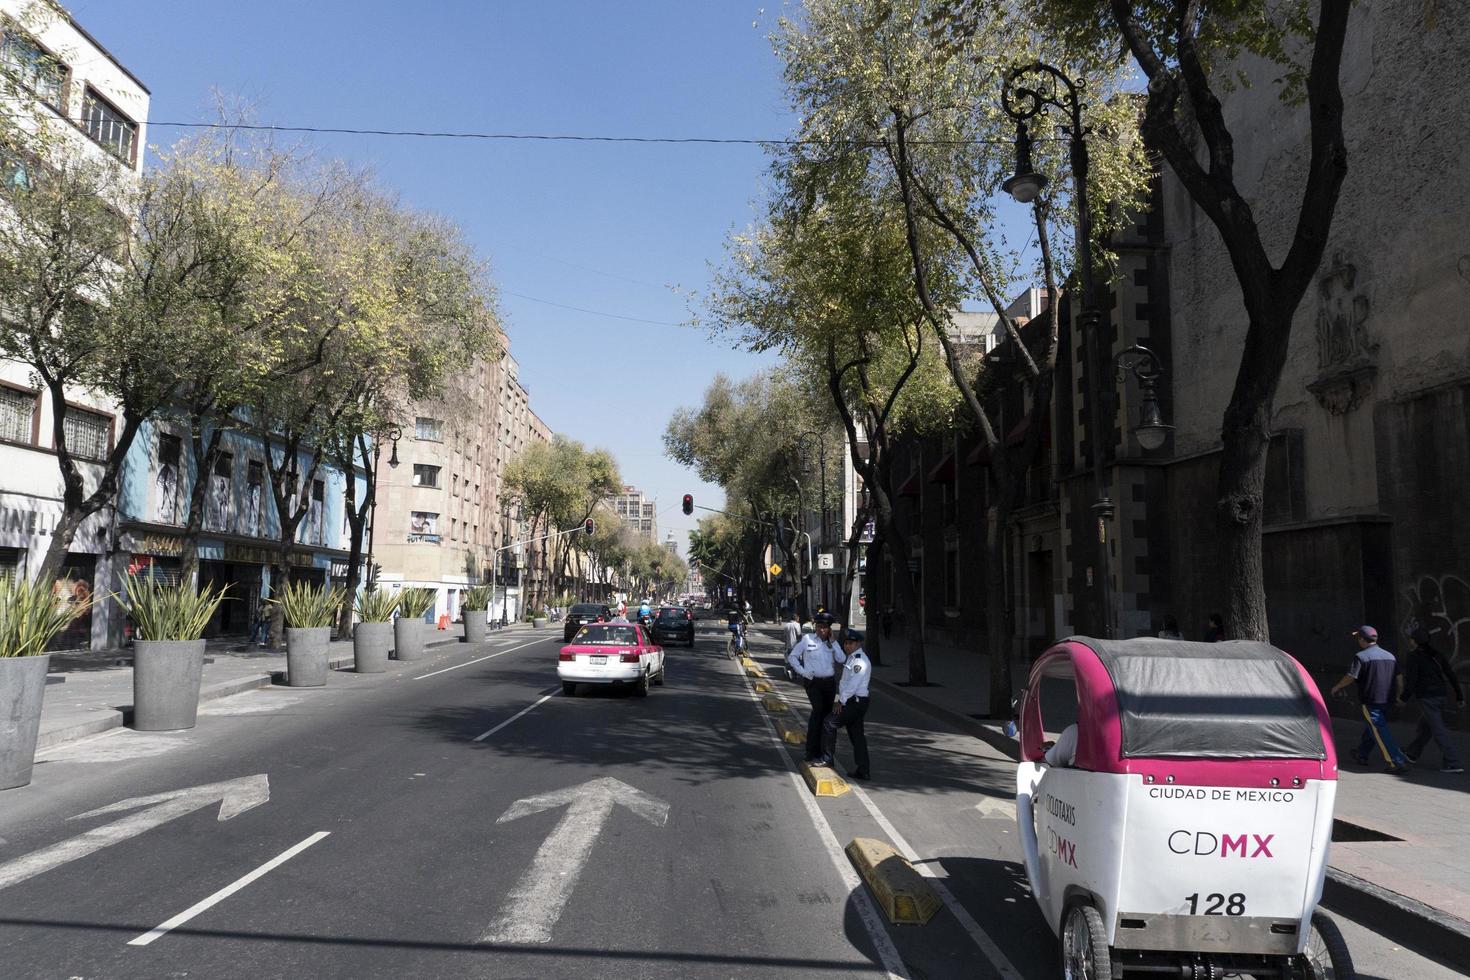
992,806
227,891
234,796
537,901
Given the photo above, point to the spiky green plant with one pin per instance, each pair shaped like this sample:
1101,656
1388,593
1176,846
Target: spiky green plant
375,606
169,612
33,613
310,606
476,599
414,602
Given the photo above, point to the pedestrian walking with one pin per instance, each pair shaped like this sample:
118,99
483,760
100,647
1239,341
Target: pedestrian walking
1376,673
749,619
815,660
1429,679
851,707
1215,628
792,628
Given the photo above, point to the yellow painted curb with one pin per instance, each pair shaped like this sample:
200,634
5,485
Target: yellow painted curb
902,892
772,703
824,781
763,687
791,734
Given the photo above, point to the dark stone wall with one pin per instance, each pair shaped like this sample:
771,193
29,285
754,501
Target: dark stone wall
1423,444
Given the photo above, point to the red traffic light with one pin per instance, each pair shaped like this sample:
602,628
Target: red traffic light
590,526
689,503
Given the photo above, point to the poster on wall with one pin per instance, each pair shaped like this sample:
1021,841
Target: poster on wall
166,480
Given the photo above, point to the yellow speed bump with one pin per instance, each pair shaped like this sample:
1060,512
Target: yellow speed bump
772,703
752,668
902,892
763,687
791,734
824,781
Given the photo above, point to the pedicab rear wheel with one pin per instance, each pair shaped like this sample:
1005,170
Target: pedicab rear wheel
1085,954
1326,956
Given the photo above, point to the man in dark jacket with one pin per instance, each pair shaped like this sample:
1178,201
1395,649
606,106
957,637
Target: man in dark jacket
1430,679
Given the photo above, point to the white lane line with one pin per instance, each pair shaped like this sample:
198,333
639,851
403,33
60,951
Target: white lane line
524,711
469,663
868,912
978,935
227,891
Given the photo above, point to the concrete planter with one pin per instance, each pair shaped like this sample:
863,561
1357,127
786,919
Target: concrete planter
22,689
306,656
409,636
539,622
166,676
371,643
474,625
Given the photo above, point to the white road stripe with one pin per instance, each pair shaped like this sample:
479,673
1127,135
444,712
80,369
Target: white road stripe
524,711
862,901
468,663
978,935
227,891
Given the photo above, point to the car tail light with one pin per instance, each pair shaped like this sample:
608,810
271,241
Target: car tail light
628,656
599,619
566,655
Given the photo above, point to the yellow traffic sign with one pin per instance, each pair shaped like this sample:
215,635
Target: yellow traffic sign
775,569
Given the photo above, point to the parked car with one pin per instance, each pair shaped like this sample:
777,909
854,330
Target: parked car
674,624
611,653
581,614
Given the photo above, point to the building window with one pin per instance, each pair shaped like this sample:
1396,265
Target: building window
109,128
425,475
88,434
254,496
17,415
221,503
30,65
423,526
428,429
166,479
316,513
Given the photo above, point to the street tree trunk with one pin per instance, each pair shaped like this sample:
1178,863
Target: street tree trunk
206,456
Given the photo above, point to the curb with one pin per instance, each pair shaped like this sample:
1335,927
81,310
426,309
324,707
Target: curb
1404,920
971,726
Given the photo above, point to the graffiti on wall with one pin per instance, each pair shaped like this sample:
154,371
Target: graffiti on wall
1441,604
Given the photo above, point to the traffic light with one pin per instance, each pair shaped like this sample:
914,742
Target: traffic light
689,503
590,526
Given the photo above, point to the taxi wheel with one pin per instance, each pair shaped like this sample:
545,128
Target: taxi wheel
1326,956
641,690
1085,954
659,679
568,689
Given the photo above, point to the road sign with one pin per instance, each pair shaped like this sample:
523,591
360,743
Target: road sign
775,569
537,901
826,560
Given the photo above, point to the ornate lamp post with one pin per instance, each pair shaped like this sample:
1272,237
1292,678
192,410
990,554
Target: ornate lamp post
372,569
1030,91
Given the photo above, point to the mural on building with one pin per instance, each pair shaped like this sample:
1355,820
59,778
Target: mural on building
1441,604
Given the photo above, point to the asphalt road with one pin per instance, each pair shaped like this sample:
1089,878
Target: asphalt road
460,817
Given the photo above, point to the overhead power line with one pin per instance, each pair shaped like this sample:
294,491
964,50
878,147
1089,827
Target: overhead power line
558,137
579,309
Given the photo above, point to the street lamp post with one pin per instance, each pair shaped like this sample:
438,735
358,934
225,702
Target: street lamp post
1029,91
393,434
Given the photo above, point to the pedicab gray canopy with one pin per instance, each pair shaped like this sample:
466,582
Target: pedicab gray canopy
1236,699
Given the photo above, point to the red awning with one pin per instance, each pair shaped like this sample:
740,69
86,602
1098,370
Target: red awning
943,471
980,455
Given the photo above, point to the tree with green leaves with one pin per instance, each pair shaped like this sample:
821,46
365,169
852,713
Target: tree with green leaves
1193,53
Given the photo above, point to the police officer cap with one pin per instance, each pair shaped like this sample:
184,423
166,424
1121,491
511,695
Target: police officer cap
855,635
824,619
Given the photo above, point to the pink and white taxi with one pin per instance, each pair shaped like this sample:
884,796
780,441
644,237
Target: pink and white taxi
611,653
1181,818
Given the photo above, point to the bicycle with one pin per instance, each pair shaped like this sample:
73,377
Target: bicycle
735,645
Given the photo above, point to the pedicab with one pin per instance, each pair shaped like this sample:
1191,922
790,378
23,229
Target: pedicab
1187,833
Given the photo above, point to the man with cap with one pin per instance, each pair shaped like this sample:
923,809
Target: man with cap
815,659
851,706
1430,680
1376,673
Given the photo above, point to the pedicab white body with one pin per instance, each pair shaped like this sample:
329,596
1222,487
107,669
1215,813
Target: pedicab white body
1196,814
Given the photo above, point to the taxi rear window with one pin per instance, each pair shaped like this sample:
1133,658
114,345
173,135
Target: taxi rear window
601,634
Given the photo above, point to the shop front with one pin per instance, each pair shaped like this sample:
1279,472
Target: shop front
27,523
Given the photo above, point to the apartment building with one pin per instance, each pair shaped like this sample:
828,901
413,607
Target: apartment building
638,512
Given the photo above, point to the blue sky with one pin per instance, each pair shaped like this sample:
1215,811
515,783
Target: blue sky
605,227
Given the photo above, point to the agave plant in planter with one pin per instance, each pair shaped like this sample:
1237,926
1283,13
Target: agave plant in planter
168,650
372,637
31,616
410,631
310,611
475,602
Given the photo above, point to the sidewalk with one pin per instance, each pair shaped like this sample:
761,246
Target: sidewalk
90,692
1401,845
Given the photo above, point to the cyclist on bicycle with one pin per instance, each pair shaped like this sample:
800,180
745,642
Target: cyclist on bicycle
737,633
